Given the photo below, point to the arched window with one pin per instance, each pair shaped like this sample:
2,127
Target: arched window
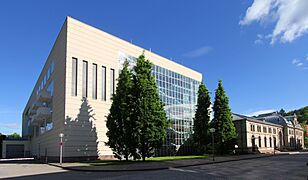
259,141
265,142
270,141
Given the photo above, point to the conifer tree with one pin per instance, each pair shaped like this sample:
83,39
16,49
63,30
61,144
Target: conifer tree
225,134
148,114
202,119
118,121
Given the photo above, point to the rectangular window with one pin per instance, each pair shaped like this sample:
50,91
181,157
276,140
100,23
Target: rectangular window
103,83
48,73
52,66
44,80
74,77
84,79
94,81
112,78
50,88
259,128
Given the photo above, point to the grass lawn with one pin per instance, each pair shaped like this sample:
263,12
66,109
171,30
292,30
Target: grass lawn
152,159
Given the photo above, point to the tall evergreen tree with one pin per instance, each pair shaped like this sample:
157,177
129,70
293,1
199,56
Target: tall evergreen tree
225,133
148,114
118,121
202,119
282,112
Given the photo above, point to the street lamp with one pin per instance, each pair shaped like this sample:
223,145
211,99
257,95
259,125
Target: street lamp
274,144
61,135
212,130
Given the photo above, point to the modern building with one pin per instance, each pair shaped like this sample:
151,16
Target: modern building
268,132
73,93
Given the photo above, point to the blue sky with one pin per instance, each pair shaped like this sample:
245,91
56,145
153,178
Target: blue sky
257,48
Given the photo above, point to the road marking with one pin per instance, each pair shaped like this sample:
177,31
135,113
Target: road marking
182,170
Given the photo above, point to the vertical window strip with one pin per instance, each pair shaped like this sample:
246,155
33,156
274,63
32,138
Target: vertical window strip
74,76
85,79
94,81
111,82
103,83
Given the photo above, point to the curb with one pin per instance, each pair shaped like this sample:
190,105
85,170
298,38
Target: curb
158,168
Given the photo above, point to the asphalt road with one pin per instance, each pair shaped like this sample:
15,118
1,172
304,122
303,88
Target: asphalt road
278,167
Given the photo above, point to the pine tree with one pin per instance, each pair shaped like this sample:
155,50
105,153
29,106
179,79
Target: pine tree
148,114
118,120
202,119
282,112
225,134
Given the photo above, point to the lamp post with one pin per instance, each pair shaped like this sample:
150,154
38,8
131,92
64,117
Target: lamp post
253,143
61,135
274,145
212,130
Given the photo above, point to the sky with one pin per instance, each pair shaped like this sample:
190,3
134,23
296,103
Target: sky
258,48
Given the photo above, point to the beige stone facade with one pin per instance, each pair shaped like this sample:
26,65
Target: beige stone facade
266,132
72,94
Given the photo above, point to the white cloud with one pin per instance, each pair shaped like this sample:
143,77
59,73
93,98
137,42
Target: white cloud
290,17
295,61
10,125
259,39
198,52
300,64
256,113
258,11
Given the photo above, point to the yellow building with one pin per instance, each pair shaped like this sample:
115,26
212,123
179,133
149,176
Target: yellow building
72,94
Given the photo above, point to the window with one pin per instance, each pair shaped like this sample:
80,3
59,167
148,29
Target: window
94,81
259,128
103,83
274,131
50,88
49,126
251,127
84,79
111,82
48,73
44,80
259,141
270,130
52,66
270,141
264,129
265,142
74,77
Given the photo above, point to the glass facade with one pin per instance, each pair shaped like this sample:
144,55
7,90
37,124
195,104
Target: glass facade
179,95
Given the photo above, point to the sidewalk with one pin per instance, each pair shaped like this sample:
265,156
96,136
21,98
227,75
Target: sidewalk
146,166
